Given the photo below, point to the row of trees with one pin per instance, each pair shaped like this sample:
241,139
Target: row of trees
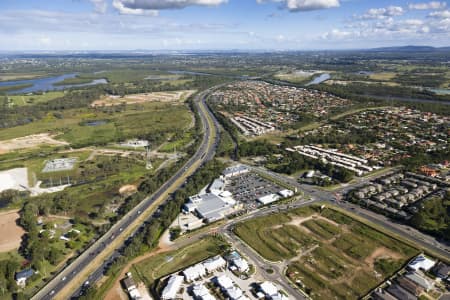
20,115
434,217
147,238
294,162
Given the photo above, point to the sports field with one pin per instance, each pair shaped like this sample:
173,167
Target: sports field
327,253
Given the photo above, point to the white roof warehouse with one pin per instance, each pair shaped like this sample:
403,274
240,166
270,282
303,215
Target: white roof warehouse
209,206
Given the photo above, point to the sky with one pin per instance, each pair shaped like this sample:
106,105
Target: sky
55,25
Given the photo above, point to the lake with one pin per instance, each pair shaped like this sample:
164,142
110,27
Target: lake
95,123
319,79
47,84
440,91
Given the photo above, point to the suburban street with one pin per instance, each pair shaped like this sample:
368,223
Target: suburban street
90,265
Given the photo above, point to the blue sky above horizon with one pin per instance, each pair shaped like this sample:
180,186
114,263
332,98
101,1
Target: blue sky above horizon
221,24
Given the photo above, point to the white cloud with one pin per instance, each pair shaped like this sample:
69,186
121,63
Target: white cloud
123,10
146,7
45,41
100,6
428,5
304,5
382,13
445,14
390,29
337,34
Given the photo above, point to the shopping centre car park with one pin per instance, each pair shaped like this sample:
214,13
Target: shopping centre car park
249,187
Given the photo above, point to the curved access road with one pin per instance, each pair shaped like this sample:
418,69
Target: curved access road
88,266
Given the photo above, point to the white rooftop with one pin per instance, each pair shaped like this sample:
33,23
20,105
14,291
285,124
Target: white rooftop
201,292
225,194
172,287
241,264
217,186
286,193
212,207
268,199
235,170
135,294
268,288
421,262
225,282
214,263
234,293
194,272
279,296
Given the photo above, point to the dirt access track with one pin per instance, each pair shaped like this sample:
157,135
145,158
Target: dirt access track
174,96
10,232
29,141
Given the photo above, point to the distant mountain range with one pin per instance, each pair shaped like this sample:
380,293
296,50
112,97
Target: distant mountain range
410,49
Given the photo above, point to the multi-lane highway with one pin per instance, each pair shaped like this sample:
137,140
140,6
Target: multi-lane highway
90,265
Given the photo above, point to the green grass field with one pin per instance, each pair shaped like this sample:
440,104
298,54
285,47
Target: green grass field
20,76
10,88
177,143
161,265
22,100
331,255
136,121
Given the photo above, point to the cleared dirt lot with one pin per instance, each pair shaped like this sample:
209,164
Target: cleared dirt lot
10,232
15,179
174,96
29,141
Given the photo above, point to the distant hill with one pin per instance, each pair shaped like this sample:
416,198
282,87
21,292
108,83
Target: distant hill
409,49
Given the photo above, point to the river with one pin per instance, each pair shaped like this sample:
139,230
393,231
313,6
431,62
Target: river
47,84
319,79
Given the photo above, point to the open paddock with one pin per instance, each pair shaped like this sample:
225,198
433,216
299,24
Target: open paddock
164,264
88,127
328,253
31,99
29,141
171,96
10,232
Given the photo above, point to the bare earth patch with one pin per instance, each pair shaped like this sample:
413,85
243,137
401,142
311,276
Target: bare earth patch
296,221
381,252
14,179
29,141
10,232
174,96
127,189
